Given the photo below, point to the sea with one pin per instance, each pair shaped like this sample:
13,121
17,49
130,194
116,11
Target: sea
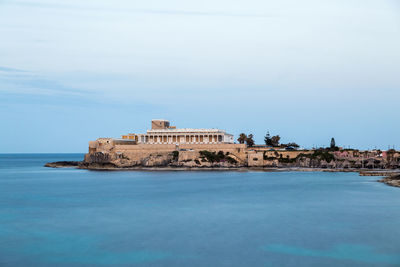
72,217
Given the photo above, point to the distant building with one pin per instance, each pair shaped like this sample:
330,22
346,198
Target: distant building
162,133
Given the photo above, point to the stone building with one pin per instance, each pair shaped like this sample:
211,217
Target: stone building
162,133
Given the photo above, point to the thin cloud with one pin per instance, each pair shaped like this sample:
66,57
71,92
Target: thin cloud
199,13
127,10
15,81
6,69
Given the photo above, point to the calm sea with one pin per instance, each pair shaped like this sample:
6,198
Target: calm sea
69,217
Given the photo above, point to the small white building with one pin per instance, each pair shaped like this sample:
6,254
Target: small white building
162,133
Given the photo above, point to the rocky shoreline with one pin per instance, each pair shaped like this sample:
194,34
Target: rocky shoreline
393,180
391,177
63,164
111,167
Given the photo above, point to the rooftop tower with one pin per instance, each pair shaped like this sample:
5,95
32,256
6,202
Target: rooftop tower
159,124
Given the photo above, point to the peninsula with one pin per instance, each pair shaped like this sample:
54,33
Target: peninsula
165,146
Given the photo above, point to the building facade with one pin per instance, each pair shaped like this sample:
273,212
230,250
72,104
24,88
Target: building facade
162,133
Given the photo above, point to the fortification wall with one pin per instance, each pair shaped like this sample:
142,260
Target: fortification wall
136,152
139,153
212,146
255,159
284,153
172,147
144,147
110,152
258,158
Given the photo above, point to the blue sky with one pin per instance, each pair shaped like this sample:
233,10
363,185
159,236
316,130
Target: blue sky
73,71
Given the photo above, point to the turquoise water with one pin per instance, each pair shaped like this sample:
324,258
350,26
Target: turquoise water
69,217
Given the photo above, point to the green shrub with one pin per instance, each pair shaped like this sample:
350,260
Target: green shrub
175,155
323,155
209,156
216,157
231,160
318,154
286,160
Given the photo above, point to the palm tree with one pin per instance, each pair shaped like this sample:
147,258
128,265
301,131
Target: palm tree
242,138
250,141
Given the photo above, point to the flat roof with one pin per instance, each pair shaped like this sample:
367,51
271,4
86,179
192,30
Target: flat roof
187,130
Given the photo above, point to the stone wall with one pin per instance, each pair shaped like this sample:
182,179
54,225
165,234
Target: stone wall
127,155
109,153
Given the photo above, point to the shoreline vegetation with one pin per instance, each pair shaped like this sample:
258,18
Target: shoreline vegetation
391,177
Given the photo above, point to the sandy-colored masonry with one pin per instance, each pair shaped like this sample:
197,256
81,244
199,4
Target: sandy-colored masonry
162,133
163,139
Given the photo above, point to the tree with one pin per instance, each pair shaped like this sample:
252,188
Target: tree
249,140
333,143
267,139
275,140
242,138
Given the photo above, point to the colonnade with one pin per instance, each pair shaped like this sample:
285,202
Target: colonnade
181,138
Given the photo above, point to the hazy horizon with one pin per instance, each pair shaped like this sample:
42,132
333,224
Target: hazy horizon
71,72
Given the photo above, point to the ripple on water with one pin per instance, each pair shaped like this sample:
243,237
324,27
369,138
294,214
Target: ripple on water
354,252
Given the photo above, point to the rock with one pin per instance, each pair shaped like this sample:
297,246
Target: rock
63,164
393,180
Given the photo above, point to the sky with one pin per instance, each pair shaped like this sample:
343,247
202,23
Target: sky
73,71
